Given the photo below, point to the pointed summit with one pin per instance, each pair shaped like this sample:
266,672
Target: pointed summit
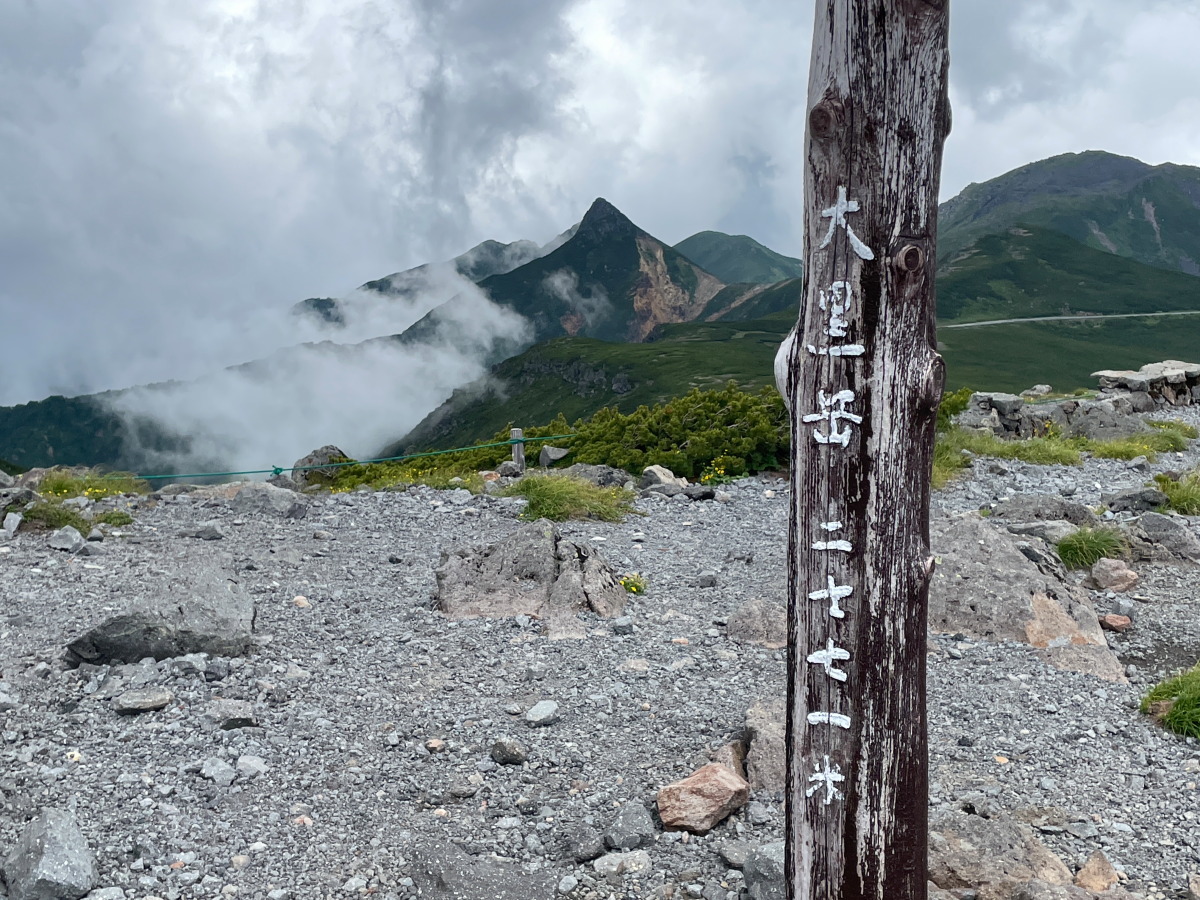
603,222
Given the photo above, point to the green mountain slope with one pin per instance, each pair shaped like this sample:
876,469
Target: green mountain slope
70,431
9,468
1111,203
577,376
737,258
1029,271
1015,356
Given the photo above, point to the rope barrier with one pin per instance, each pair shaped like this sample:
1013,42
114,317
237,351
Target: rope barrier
278,470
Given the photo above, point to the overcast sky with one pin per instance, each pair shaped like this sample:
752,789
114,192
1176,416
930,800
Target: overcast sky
174,175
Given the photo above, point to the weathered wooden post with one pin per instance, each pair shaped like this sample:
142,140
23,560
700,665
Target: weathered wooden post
863,382
517,435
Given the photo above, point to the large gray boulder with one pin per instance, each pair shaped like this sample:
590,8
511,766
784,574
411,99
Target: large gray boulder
985,586
1169,536
604,476
6,480
198,607
259,498
441,871
533,572
305,476
51,860
994,855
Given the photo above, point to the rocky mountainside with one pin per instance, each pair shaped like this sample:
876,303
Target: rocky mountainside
1112,203
611,281
319,711
429,282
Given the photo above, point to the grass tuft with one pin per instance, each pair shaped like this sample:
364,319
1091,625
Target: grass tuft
1183,495
1182,428
1086,546
560,497
1175,703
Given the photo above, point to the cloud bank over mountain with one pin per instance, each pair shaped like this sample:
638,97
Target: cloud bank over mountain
176,175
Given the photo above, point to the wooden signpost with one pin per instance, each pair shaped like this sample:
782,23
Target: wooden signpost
863,380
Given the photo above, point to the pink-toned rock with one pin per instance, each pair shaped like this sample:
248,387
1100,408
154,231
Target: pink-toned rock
1097,873
1113,622
1113,575
704,798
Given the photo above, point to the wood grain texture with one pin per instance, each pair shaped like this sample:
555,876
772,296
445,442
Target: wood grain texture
878,114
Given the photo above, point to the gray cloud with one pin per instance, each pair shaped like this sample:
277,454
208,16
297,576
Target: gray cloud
177,175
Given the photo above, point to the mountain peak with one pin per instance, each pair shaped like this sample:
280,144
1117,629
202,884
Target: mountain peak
603,220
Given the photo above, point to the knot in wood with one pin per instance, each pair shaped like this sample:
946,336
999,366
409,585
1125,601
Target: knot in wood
824,119
910,258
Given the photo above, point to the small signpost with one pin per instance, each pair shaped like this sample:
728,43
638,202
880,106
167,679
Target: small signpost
863,380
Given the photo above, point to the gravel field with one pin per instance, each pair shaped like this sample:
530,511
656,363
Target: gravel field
375,716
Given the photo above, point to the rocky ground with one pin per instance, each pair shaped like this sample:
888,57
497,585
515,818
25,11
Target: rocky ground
364,760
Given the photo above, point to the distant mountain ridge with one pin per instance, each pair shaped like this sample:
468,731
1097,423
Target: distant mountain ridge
482,260
738,258
616,316
611,281
1117,204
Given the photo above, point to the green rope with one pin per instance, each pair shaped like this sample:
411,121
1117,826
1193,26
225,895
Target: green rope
277,470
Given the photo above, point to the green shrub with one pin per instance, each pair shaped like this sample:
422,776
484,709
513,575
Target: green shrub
1082,549
1183,495
1176,703
952,404
747,432
560,497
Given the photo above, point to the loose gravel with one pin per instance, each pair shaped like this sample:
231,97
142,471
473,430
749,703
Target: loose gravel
381,725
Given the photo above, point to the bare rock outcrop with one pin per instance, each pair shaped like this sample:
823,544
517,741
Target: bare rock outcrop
986,587
533,572
306,471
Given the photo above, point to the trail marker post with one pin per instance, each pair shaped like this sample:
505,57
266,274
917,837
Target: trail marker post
863,380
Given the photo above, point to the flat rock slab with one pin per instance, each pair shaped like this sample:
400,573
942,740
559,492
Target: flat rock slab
140,700
51,860
441,871
533,572
198,608
985,587
759,622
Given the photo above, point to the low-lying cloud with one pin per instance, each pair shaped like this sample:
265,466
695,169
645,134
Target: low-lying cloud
592,307
357,396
